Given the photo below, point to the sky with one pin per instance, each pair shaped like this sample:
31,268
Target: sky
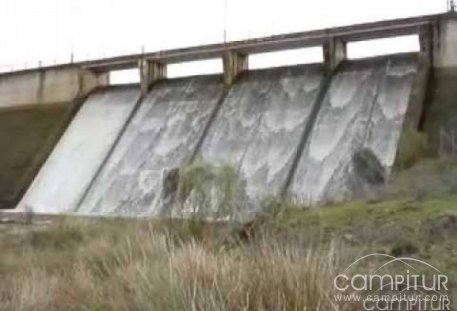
51,31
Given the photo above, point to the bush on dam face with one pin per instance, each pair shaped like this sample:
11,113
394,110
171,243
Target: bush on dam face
412,148
203,191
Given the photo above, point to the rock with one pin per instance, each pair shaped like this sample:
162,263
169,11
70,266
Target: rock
444,226
404,248
170,183
368,167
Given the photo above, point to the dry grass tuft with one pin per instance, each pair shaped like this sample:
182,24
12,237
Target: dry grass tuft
140,268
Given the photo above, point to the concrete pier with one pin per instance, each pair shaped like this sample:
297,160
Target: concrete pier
335,51
234,64
440,115
150,73
445,42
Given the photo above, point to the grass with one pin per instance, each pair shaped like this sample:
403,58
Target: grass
412,148
415,215
133,266
286,262
429,178
285,259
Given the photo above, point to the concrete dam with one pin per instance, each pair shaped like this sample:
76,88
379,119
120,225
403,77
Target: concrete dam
73,143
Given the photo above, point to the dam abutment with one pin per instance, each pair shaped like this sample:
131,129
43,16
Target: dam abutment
440,121
35,108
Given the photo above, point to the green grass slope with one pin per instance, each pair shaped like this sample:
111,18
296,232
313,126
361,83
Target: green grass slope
285,259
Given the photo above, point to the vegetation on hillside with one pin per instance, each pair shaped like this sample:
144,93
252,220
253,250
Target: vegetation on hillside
285,259
119,266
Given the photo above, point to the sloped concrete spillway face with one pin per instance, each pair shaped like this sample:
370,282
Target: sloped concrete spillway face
162,136
364,109
75,160
260,125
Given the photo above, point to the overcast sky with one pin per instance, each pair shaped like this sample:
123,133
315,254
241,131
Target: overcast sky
48,30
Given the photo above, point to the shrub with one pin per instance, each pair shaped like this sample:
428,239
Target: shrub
206,191
413,147
64,235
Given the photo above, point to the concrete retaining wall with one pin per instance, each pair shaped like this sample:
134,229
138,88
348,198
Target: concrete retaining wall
445,43
441,116
35,109
27,136
46,86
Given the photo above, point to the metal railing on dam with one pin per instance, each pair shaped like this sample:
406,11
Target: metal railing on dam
359,32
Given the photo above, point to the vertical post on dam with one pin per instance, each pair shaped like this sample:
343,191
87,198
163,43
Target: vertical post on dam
150,73
234,64
335,51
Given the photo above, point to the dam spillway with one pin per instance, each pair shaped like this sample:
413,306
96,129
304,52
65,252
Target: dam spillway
256,128
160,137
260,125
70,168
304,131
364,108
263,114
